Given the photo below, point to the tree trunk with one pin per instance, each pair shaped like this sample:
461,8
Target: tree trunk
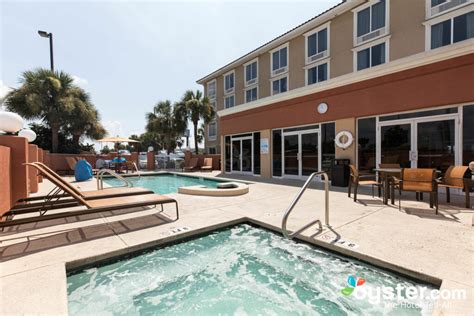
75,139
54,137
195,137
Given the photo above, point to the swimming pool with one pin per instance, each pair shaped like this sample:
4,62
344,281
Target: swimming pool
164,183
240,270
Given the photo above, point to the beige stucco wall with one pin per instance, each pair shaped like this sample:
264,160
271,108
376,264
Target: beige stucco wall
264,75
239,85
265,159
348,124
296,62
341,44
406,28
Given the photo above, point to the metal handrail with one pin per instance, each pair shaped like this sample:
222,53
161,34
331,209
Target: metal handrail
297,198
100,178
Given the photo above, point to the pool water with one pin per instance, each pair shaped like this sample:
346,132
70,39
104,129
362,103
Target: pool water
164,184
239,271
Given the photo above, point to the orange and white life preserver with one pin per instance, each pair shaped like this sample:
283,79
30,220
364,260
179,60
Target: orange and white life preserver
344,139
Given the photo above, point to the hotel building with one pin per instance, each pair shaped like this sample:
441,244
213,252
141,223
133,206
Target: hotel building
396,75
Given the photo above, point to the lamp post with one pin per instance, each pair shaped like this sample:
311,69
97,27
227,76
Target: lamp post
50,36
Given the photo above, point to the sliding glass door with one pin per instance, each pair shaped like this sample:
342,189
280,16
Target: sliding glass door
242,155
301,153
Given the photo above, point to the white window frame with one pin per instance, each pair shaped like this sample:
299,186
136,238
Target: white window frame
230,90
213,81
225,98
246,83
387,22
277,72
441,18
250,88
278,78
429,11
213,103
327,52
209,137
316,64
382,40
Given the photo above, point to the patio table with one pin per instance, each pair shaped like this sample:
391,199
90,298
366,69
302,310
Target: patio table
386,182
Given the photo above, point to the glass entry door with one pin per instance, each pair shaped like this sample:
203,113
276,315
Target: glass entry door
428,142
242,155
301,154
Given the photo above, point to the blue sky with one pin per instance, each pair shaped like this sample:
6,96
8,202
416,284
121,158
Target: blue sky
131,54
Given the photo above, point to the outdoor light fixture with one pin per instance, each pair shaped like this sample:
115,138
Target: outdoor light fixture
50,36
28,134
10,122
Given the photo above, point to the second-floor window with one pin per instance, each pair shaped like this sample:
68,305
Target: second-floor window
251,73
279,85
251,95
370,21
451,31
229,83
229,101
212,130
317,45
211,90
317,74
371,56
280,61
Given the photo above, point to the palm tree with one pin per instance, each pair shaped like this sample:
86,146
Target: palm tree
46,95
166,124
195,107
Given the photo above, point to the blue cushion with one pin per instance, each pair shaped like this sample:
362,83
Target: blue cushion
83,171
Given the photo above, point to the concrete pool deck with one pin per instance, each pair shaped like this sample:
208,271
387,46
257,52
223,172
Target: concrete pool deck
413,241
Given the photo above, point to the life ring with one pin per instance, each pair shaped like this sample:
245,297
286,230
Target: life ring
344,139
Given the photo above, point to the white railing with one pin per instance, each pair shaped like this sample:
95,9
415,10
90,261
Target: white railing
100,178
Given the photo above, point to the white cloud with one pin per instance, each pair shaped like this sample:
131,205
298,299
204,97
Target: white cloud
114,128
4,89
81,82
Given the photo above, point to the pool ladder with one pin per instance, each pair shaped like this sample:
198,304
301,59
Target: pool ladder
100,178
285,231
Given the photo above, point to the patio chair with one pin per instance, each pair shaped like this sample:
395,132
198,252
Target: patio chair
456,177
57,196
92,206
191,165
207,164
419,180
71,163
131,166
356,179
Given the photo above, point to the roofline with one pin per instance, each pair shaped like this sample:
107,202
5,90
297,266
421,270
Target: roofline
323,17
409,62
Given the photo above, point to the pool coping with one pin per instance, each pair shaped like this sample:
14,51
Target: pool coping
84,263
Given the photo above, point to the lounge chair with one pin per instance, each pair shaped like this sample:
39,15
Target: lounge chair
71,163
456,177
356,179
92,205
191,165
207,164
419,180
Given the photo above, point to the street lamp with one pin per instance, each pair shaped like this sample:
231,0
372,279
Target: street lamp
50,36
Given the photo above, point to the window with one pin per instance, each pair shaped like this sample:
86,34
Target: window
277,149
371,21
279,85
256,153
251,95
468,134
211,89
212,150
317,74
251,71
279,61
212,130
438,7
434,3
453,30
213,104
227,154
371,56
366,143
229,83
229,102
317,45
328,150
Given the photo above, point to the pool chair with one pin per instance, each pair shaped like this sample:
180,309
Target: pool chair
71,163
91,206
457,177
207,164
191,165
356,179
419,180
59,197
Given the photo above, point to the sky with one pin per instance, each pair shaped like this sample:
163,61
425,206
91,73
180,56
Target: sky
129,55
